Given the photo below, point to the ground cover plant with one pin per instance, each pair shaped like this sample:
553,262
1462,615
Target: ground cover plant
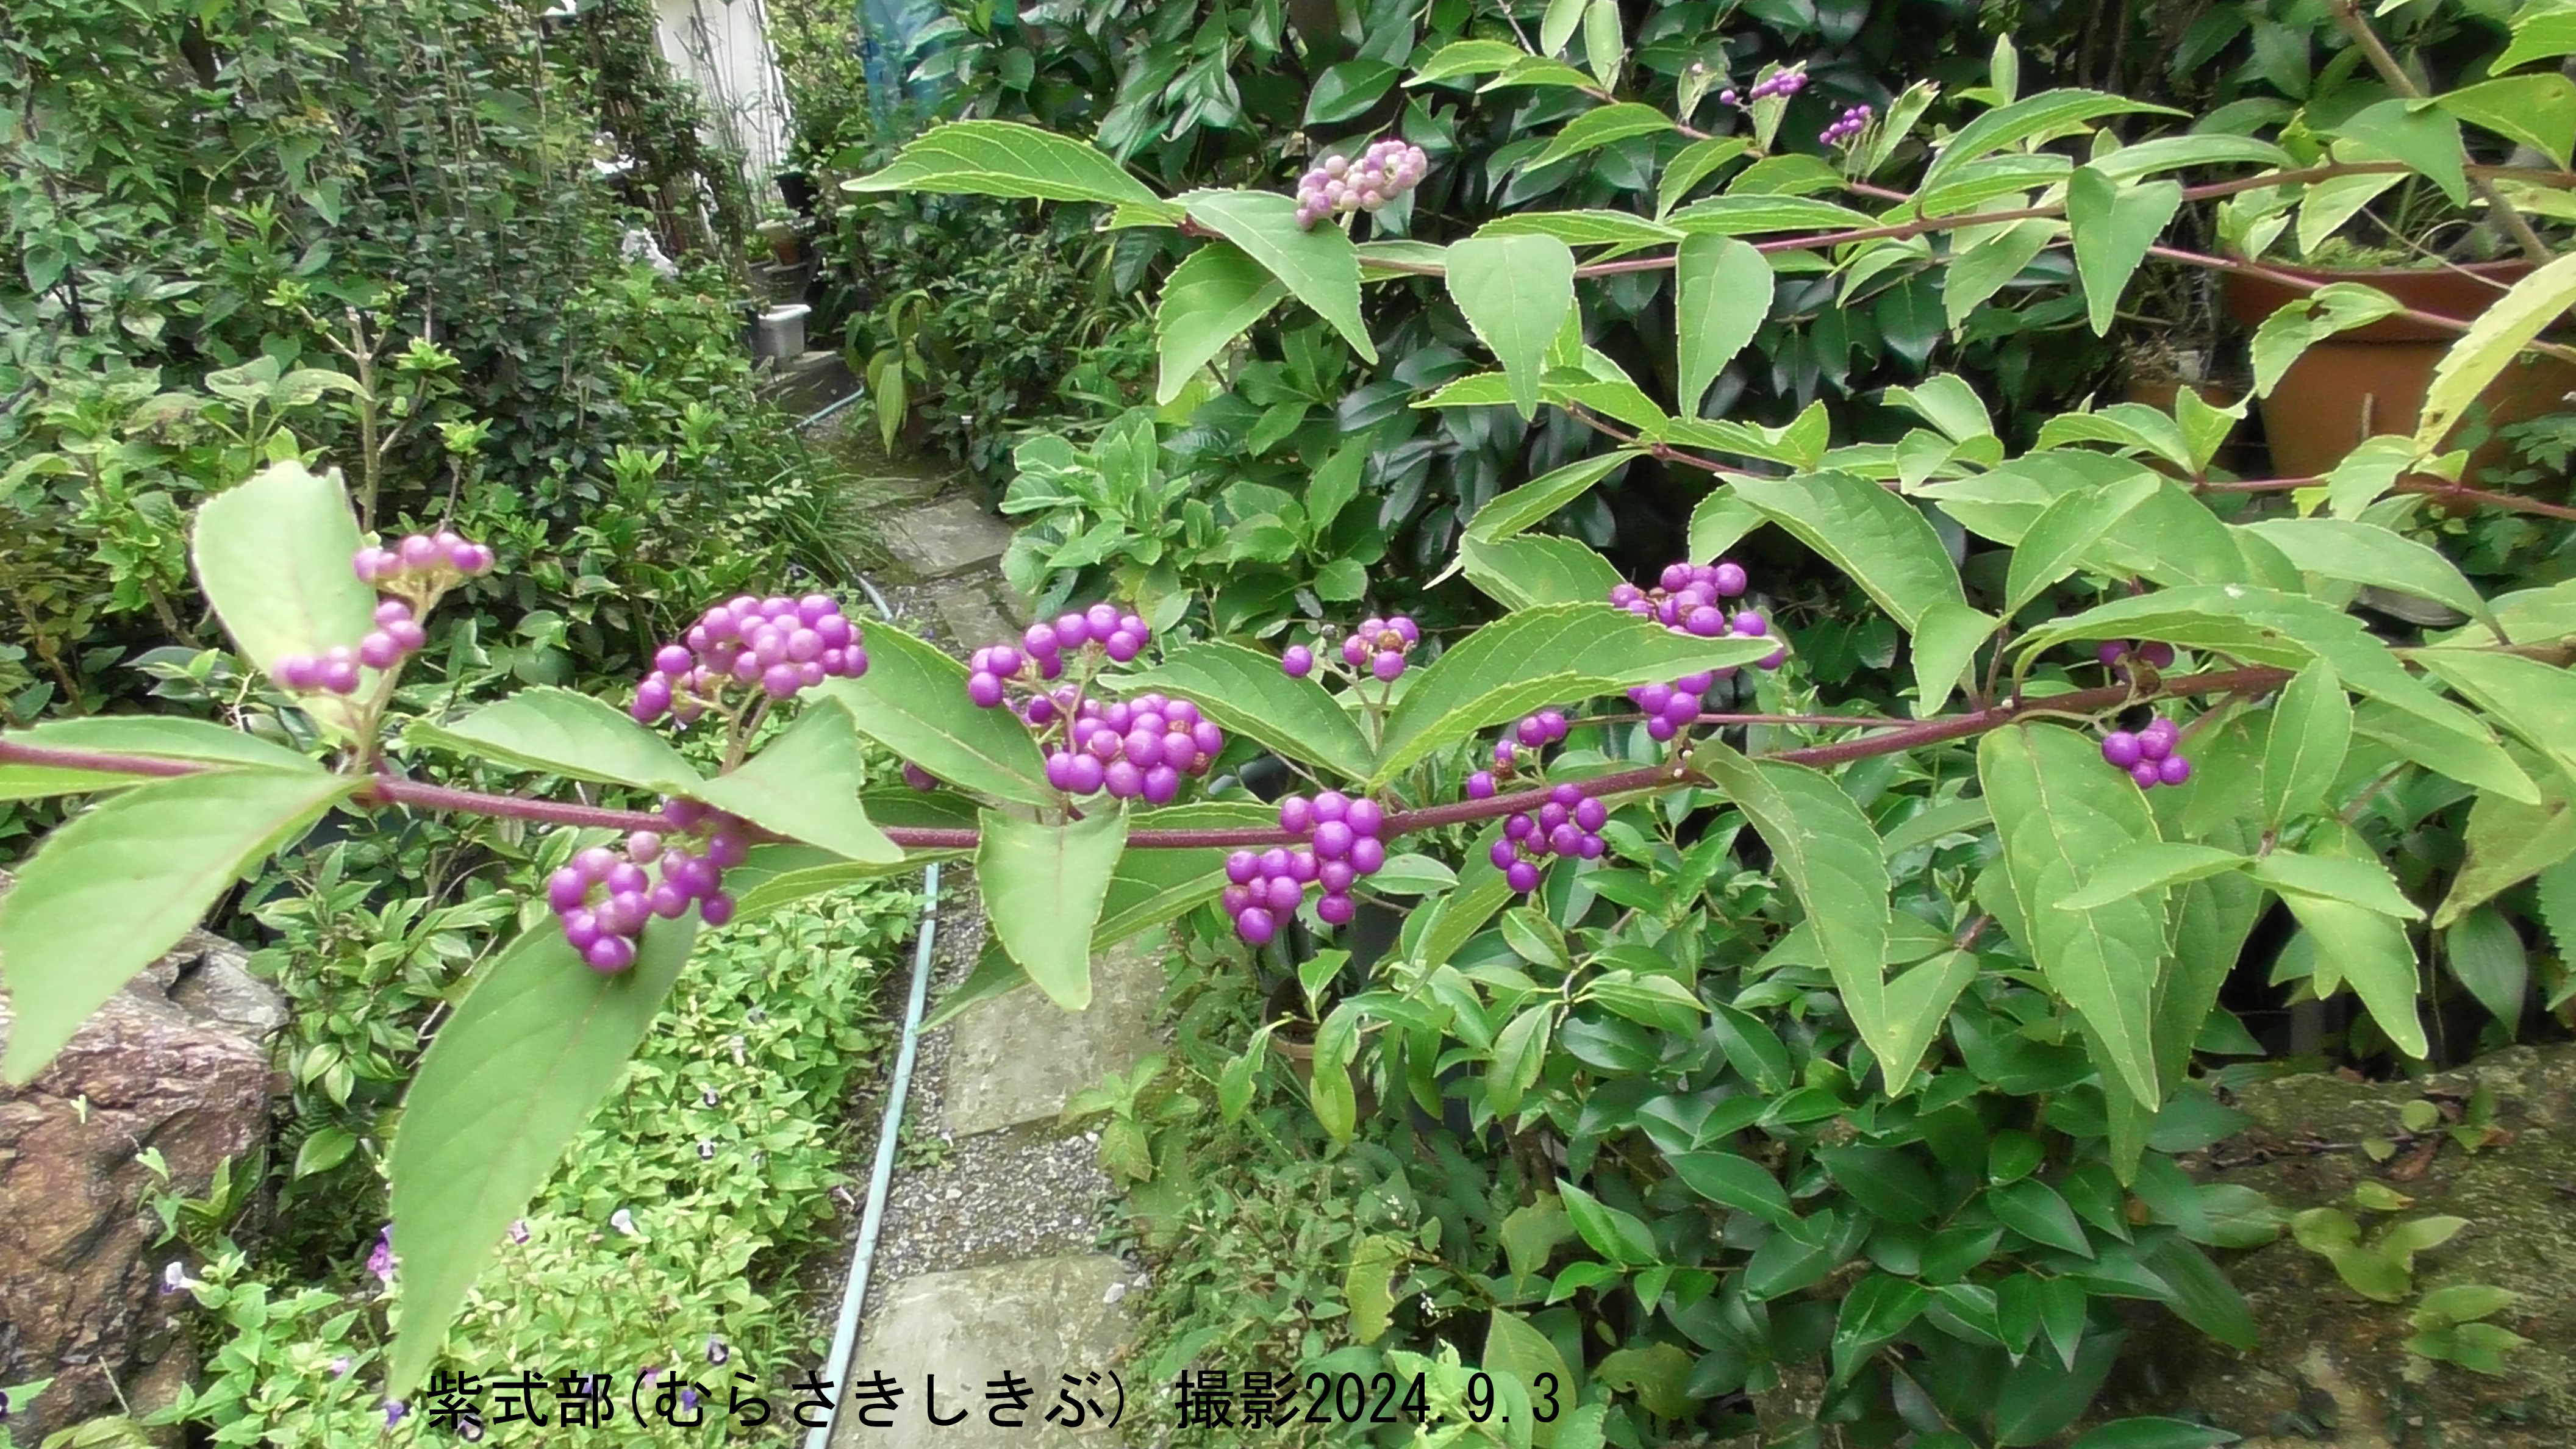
1774,1045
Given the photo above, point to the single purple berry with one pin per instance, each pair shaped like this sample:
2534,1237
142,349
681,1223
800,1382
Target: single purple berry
1591,814
1331,805
1336,909
1522,877
2173,769
2158,655
1332,840
1502,854
610,954
1480,785
2158,739
2120,748
1297,662
1368,854
984,689
1364,817
716,909
1255,926
1387,665
2145,773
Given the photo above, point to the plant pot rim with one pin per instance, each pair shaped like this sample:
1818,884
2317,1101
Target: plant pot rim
2459,292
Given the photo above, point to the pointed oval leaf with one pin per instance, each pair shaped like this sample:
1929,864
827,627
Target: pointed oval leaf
1516,291
2303,753
508,1082
1245,691
1318,265
1725,290
1210,298
1883,542
109,893
562,732
913,701
1043,887
1007,158
805,785
273,555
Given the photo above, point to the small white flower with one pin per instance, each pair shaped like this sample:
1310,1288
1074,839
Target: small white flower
623,1221
175,1279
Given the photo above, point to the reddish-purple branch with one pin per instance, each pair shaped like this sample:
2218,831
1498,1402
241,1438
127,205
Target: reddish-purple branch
394,790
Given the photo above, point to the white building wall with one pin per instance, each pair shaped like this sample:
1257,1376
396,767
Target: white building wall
722,46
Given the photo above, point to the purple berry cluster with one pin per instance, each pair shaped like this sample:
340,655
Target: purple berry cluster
2152,756
1041,651
1384,172
413,573
1851,123
1568,826
1533,732
1134,749
777,645
1778,83
2115,655
1380,646
1341,846
604,899
1687,600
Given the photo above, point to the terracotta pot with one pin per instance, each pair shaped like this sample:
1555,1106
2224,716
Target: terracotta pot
2371,380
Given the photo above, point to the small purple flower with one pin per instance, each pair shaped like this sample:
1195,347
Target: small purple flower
717,1352
380,1261
394,1411
340,1367
175,1279
688,1398
469,1427
519,1231
708,1097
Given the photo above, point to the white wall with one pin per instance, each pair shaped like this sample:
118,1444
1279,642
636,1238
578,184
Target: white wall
722,46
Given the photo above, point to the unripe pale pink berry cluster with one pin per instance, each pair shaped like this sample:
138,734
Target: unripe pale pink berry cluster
1567,827
1341,848
1778,83
604,898
1384,172
1687,599
414,573
1138,749
776,645
2152,756
1851,123
2115,655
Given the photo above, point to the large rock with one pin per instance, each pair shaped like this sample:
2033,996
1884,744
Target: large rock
178,1062
2330,1366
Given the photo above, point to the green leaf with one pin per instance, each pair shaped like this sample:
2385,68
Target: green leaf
2363,883
1520,1053
163,737
2539,32
1725,292
1826,847
2492,341
2304,751
1884,1181
507,1082
560,732
2304,321
2050,113
1756,214
1535,570
1987,265
1516,291
2506,843
913,701
1245,691
1697,162
2149,865
1211,297
1719,521
2169,153
112,891
2154,1434
1517,1352
1154,886
1615,1235
2536,701
273,557
1008,159
2537,110
2424,139
1532,503
2065,530
1536,657
1468,57
1736,1182
805,785
1617,230
1881,541
2036,1211
1318,265
1043,887
2365,553
2556,890
2062,816
1946,640
2375,956
1598,128
2487,957
1348,89
1877,1310
1369,1285
2114,222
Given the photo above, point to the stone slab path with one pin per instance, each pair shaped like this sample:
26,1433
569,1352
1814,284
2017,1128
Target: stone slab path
989,1262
